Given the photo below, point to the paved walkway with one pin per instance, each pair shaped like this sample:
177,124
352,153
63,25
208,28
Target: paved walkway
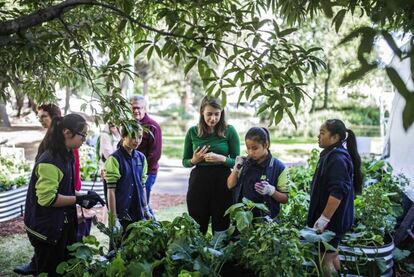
172,177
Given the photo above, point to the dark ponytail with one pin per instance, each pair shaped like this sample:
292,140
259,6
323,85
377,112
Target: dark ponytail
351,145
54,141
337,127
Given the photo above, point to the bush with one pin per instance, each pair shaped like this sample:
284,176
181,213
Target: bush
13,173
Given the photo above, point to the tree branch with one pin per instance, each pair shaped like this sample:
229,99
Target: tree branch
13,26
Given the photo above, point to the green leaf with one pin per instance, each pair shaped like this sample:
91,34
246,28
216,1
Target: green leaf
149,53
223,98
90,240
142,269
256,40
122,24
233,208
141,49
61,268
358,74
116,267
310,235
84,253
243,219
338,19
367,42
400,254
114,59
355,33
408,113
158,50
279,116
292,118
398,83
262,108
189,65
381,264
327,7
76,245
286,32
241,93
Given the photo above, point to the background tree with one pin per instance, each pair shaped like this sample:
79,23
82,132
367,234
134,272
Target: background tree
386,17
48,39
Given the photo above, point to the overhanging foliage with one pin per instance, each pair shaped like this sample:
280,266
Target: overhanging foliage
231,44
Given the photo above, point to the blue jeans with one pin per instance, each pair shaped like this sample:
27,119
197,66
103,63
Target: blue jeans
149,183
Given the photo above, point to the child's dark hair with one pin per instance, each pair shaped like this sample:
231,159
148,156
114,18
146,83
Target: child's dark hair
259,135
54,141
337,127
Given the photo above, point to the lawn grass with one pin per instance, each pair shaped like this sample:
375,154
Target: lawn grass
173,145
16,249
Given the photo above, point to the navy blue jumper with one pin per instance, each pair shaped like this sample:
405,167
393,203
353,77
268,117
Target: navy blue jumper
333,176
252,172
129,188
46,222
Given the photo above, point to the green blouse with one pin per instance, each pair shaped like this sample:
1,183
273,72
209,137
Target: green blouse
228,146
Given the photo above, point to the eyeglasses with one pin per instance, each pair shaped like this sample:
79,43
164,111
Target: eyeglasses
83,135
137,108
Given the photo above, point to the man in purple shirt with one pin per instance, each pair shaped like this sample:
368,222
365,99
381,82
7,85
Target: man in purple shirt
151,142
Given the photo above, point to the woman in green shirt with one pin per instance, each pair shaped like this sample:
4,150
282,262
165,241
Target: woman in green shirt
211,147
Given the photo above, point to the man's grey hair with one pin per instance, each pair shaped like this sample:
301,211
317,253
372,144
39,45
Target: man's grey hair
136,98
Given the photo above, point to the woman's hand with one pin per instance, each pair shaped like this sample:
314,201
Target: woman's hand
214,158
199,153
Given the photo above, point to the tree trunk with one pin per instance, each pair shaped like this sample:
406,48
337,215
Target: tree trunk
326,88
4,116
315,93
68,93
142,69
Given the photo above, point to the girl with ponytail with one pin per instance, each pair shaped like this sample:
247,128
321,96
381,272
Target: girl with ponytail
336,180
50,212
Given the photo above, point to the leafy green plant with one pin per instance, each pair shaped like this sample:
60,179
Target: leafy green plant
13,173
87,259
88,164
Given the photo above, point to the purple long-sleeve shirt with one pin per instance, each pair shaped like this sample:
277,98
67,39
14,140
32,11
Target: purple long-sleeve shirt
151,144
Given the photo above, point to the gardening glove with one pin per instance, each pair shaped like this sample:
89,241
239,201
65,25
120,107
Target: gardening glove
239,162
321,224
117,227
147,213
264,188
89,200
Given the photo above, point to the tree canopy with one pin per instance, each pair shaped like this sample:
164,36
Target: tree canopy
48,42
232,44
387,17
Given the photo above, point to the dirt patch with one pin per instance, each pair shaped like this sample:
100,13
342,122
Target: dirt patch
158,202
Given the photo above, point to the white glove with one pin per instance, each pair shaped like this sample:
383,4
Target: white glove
264,188
147,213
321,223
239,162
117,227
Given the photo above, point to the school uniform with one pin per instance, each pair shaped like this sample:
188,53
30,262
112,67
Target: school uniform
127,175
271,170
208,196
50,229
333,176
